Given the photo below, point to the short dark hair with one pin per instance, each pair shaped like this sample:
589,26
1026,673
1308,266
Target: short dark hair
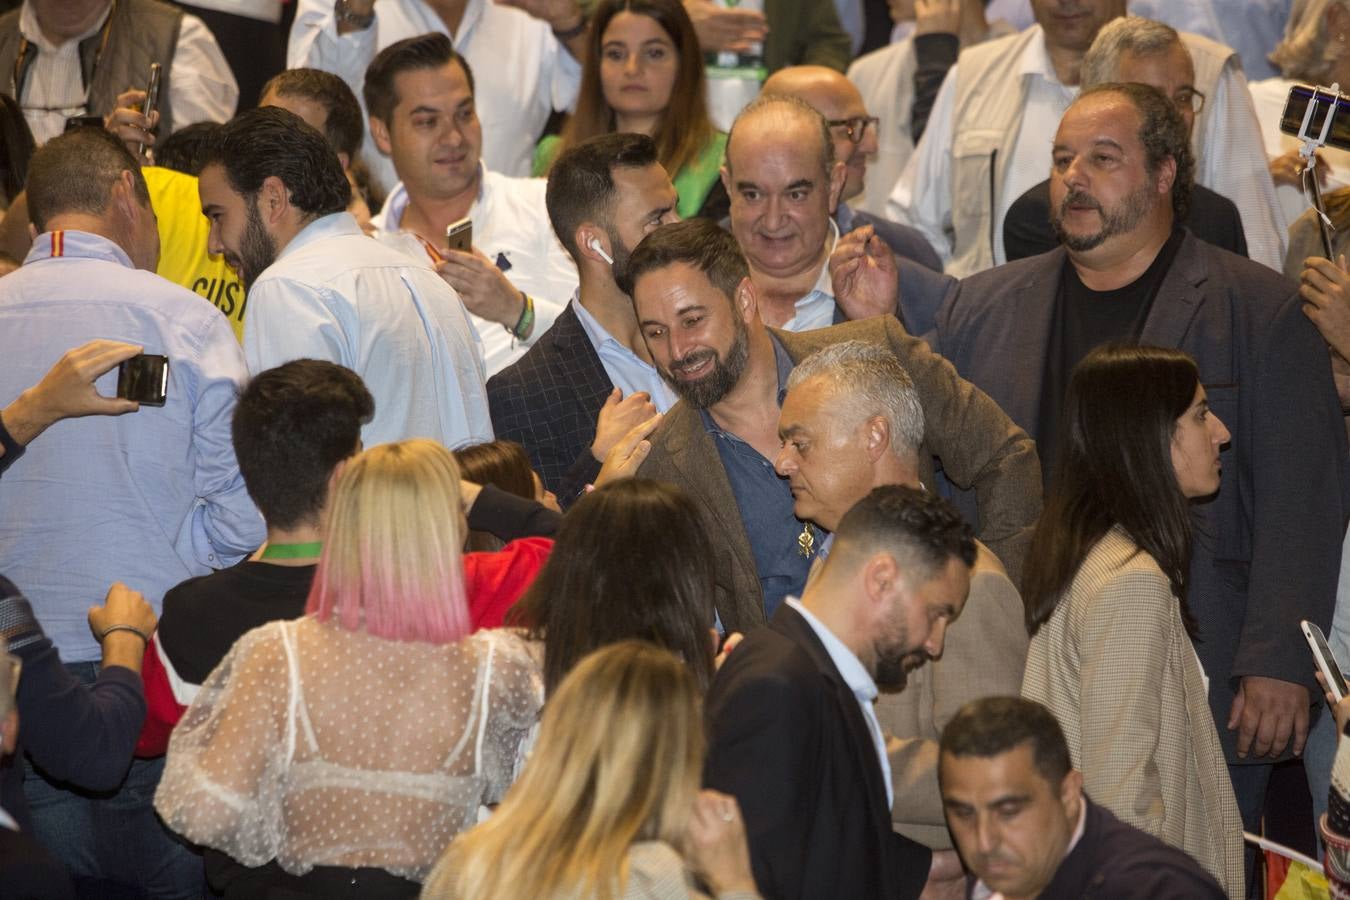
75,172
343,124
992,726
186,149
1163,133
922,530
425,51
292,426
581,182
269,141
701,243
655,583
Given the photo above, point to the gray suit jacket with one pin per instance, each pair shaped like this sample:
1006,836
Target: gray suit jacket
978,445
1267,549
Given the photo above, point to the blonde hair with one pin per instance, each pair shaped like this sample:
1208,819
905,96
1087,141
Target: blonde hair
391,558
618,761
1306,53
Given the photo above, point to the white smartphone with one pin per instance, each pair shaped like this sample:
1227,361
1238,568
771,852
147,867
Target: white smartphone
459,235
1327,663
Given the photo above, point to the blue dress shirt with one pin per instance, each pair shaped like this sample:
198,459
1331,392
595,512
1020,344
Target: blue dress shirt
149,498
765,503
625,368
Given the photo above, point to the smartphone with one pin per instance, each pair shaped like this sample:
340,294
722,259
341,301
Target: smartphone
1326,662
151,95
144,378
459,235
1326,104
73,122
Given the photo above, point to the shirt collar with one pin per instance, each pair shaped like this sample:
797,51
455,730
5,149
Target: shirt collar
982,891
1036,58
29,28
784,365
331,225
390,216
850,667
823,283
596,332
76,245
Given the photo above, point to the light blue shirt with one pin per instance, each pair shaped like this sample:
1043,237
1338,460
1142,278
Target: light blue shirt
626,369
149,498
859,682
336,294
816,309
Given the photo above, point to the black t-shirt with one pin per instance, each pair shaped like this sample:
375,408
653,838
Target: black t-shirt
204,616
1085,319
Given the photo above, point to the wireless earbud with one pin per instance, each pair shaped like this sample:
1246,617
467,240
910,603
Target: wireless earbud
595,245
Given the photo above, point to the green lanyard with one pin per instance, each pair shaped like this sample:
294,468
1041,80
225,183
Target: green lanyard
292,551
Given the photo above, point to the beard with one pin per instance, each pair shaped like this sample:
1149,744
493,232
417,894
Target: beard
257,249
711,388
1119,219
893,670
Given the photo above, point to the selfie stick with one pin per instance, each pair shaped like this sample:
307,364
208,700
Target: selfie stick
1309,153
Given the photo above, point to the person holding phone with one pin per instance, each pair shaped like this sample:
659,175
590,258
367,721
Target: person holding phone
1105,593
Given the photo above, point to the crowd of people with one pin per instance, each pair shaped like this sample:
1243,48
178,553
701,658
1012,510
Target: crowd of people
668,448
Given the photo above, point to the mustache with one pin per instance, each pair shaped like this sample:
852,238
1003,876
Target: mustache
692,361
1078,198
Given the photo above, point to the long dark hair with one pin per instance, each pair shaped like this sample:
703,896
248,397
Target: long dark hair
1115,468
685,128
631,560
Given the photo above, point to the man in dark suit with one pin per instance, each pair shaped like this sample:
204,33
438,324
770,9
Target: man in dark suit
792,731
784,180
1267,549
697,307
1146,52
589,378
1017,813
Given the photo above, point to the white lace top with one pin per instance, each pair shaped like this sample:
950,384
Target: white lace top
315,745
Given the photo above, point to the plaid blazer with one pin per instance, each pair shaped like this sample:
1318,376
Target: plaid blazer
1116,667
548,401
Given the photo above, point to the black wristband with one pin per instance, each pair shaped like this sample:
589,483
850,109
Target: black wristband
13,449
574,31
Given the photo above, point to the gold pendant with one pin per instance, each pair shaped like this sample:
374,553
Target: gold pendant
806,541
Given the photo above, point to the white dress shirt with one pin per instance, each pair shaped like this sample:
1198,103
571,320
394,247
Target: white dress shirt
859,682
511,228
816,309
521,72
626,369
201,86
336,294
1234,165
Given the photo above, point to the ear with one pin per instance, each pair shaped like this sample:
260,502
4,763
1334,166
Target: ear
880,575
1071,791
838,175
726,179
379,133
587,232
274,200
1167,175
746,300
877,437
344,160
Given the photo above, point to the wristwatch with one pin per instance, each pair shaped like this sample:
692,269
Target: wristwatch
344,15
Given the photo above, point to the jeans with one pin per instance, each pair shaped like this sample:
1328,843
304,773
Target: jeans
113,845
1249,786
1318,754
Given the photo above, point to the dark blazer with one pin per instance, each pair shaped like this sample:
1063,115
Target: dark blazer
1267,550
548,401
978,445
28,872
1115,861
787,738
1027,232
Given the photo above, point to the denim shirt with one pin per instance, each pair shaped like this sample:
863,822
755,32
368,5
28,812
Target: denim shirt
765,503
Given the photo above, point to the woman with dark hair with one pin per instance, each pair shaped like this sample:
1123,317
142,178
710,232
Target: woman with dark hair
643,72
630,561
1105,593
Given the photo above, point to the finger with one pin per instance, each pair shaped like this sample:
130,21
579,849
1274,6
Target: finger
1300,729
613,399
1314,298
638,397
1235,711
1267,730
98,357
642,430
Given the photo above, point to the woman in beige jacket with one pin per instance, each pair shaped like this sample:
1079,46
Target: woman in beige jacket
1105,587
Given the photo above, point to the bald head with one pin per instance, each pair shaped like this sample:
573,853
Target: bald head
836,98
778,120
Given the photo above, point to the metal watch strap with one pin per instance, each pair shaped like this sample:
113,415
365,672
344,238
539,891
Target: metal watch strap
347,17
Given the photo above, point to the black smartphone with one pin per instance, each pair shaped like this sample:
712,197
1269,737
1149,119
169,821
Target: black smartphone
144,378
151,94
1326,105
459,235
73,122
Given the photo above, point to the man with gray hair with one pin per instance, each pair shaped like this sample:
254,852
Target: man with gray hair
784,182
852,421
1149,52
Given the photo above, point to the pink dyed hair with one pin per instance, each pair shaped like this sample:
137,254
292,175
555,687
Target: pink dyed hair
391,563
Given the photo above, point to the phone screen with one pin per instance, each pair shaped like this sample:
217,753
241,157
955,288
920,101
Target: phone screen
144,378
1327,663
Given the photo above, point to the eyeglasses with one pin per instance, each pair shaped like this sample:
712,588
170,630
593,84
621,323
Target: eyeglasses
1189,97
856,127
